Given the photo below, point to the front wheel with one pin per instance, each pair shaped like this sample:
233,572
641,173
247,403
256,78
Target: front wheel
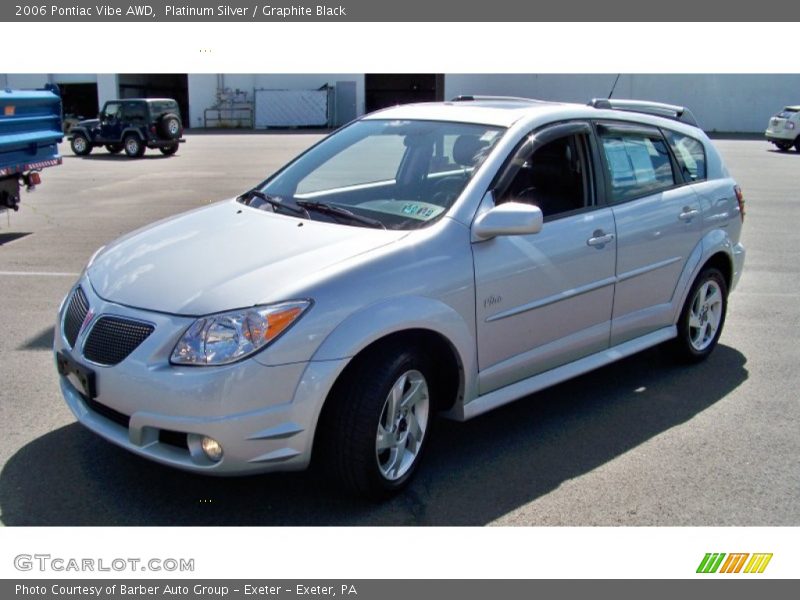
133,146
797,144
168,150
783,146
377,422
702,317
80,144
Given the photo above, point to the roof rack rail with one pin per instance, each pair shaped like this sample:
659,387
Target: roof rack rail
658,109
471,98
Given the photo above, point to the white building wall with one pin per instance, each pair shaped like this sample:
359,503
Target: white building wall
730,103
107,88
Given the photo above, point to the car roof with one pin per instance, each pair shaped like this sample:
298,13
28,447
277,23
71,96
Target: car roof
144,100
506,111
501,112
796,107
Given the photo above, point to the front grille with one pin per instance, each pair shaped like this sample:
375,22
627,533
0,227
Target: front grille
112,339
77,308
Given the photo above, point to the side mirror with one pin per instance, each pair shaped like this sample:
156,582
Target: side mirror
509,218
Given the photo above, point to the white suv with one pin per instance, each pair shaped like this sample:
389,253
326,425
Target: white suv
433,258
784,129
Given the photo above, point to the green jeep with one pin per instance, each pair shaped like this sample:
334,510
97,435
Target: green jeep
131,125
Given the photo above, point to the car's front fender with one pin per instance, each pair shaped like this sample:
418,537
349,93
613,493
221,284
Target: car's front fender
396,315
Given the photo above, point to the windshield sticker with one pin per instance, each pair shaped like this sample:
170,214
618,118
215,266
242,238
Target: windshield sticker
418,210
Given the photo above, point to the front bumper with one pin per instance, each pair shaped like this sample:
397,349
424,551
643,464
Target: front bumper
785,137
263,416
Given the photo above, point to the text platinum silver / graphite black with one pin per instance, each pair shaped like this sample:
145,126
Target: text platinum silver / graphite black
266,10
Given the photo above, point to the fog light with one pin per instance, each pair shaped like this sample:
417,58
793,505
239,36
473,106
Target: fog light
211,448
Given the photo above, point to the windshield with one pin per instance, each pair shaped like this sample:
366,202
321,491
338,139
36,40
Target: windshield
402,174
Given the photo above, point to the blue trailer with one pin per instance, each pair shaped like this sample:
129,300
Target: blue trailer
30,130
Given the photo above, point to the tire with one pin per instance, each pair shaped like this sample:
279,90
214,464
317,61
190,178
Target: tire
80,144
169,126
377,422
114,148
783,146
169,150
797,144
133,146
702,317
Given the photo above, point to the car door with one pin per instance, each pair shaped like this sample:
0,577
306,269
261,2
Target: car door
110,122
545,299
658,223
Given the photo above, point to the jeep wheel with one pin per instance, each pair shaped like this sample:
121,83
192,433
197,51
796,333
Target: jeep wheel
702,317
377,421
133,146
80,144
783,146
797,144
170,127
169,150
114,148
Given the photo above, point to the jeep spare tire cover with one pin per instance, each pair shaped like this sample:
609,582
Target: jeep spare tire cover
170,126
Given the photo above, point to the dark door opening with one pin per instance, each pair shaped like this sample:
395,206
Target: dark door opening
381,91
79,100
161,85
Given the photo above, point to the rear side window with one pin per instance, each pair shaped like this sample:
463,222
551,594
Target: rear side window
637,162
690,153
161,107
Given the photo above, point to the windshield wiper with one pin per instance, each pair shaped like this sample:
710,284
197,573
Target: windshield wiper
276,202
338,211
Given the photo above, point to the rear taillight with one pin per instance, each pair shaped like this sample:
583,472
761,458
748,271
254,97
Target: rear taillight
740,199
152,129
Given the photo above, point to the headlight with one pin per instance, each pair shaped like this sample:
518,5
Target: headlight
227,337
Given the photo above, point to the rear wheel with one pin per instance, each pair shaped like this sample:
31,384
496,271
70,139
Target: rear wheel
377,422
80,144
702,317
114,148
169,150
133,146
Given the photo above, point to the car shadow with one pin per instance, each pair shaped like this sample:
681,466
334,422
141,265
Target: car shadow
474,473
42,341
152,155
790,152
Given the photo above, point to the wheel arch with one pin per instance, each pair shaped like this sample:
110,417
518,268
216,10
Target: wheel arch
715,249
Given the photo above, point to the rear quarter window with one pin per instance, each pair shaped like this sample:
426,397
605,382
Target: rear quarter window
163,107
690,154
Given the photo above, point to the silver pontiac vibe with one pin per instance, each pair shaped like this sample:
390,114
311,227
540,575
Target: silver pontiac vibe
427,259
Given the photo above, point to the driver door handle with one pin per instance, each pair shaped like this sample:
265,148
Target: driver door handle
599,239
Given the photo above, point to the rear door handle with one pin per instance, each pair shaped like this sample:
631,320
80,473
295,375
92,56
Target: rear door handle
599,239
688,214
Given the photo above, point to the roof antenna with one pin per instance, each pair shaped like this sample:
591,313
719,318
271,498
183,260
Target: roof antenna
613,87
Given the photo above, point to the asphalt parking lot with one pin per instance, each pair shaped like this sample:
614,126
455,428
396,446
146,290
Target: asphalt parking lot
641,442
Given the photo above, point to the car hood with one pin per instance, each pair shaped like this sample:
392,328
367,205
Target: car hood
224,256
89,123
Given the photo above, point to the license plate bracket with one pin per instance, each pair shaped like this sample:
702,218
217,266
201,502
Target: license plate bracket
69,366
